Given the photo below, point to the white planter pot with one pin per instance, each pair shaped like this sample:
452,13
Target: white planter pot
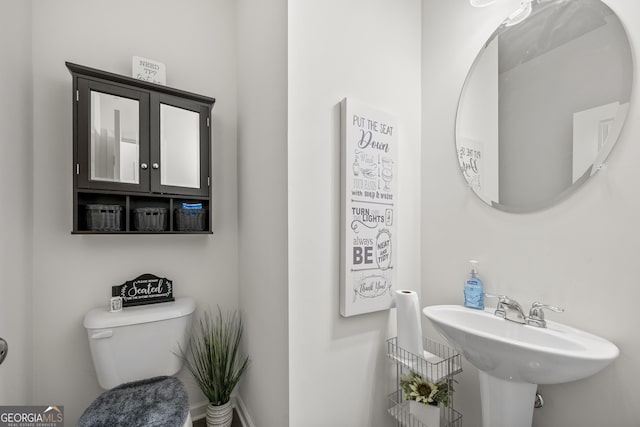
219,416
427,414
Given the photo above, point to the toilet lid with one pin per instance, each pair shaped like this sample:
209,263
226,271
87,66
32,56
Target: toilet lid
154,402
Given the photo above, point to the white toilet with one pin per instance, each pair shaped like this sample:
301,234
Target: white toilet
134,352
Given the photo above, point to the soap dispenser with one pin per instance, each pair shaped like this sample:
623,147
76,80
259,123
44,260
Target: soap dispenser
473,289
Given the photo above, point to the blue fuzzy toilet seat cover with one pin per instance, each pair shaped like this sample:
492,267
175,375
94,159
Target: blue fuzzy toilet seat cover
154,402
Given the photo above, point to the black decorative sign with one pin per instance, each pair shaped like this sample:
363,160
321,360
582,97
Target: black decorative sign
145,289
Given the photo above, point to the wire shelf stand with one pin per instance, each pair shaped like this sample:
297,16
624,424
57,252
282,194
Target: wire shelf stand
438,363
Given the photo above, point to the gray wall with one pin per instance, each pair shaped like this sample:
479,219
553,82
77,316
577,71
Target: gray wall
368,50
262,206
16,182
73,273
580,254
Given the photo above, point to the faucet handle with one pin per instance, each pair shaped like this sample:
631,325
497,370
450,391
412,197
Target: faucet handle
536,314
499,308
504,304
501,298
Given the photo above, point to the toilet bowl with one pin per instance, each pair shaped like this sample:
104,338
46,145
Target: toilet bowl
135,353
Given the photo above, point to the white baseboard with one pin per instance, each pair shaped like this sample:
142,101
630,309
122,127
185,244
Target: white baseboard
243,413
199,411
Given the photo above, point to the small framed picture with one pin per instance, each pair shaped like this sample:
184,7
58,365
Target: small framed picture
116,304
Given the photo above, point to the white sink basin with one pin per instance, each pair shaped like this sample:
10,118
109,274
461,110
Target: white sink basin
515,352
514,358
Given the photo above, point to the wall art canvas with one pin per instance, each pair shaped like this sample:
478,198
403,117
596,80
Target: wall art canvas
369,145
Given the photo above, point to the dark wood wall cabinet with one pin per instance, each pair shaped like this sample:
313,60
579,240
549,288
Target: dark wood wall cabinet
141,156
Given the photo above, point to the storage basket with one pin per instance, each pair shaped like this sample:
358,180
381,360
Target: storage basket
190,219
150,219
104,217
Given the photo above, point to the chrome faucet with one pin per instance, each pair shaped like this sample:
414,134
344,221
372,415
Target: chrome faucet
536,315
509,309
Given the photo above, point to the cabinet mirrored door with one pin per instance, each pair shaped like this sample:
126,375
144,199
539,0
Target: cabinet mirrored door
115,138
179,147
115,122
180,161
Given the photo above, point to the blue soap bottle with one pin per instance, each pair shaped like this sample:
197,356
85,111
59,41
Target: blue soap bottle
473,289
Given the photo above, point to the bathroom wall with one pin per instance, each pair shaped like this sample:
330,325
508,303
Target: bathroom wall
73,273
369,51
16,246
580,254
262,207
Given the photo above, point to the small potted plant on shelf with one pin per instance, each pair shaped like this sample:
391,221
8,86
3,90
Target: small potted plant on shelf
426,398
214,359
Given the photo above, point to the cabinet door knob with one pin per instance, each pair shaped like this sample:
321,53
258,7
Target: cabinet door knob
4,349
144,166
155,166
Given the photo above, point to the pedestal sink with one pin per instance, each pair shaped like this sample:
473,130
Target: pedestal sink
514,358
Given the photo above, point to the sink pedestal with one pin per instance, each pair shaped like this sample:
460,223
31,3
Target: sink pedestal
506,403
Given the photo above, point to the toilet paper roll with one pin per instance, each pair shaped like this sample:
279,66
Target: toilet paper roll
410,340
408,320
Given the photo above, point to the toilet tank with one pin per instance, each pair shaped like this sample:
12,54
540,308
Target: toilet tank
138,342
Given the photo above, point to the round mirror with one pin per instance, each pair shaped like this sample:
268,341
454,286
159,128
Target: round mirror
544,103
